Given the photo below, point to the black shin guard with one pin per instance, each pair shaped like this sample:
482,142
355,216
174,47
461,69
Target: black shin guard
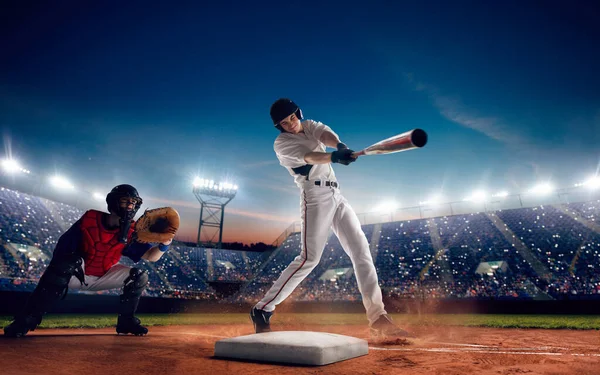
134,286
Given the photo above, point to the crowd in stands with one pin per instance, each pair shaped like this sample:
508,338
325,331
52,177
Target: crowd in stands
26,219
231,265
545,252
588,210
409,265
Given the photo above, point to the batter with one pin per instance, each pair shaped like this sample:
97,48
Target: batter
301,149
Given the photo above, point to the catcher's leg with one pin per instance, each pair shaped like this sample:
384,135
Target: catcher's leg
52,286
135,285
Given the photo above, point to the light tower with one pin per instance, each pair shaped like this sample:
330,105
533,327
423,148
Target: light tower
212,197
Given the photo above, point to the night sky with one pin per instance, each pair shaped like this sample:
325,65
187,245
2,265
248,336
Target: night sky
154,93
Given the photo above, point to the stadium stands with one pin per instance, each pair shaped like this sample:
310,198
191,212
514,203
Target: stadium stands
538,252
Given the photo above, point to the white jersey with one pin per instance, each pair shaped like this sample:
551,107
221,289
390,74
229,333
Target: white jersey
291,148
323,208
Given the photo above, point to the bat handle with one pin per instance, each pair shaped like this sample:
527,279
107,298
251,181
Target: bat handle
357,154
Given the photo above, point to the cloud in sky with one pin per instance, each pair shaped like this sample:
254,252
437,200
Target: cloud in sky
453,109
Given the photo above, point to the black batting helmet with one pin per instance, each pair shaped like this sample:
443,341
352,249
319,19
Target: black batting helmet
281,109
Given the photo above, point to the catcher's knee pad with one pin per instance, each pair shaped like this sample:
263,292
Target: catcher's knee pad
136,282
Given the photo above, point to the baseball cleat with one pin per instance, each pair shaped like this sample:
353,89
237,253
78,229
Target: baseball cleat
260,319
131,325
15,329
20,326
385,327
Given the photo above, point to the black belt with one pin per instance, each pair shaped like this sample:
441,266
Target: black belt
328,183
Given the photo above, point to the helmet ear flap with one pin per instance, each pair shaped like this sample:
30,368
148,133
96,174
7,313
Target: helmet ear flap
282,108
110,203
299,114
139,204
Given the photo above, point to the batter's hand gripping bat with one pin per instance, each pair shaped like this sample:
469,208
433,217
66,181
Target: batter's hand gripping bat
415,138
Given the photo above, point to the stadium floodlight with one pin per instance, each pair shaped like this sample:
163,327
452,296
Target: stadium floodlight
210,185
436,199
386,206
61,183
98,196
213,197
592,183
477,196
542,189
197,181
501,194
13,166
10,165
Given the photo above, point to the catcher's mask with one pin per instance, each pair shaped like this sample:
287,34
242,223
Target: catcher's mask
113,200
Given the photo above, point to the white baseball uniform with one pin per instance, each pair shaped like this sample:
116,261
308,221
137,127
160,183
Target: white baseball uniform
113,278
322,206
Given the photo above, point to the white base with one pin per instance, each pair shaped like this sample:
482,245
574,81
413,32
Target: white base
293,347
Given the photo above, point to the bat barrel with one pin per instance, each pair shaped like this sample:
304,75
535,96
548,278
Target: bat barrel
409,140
418,138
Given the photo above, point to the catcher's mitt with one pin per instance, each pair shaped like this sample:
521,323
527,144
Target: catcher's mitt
157,225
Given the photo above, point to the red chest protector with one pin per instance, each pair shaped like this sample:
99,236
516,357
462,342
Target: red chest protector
101,247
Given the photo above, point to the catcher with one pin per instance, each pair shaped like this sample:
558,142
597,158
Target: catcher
86,257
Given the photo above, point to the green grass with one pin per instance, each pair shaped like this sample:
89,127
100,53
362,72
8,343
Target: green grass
469,320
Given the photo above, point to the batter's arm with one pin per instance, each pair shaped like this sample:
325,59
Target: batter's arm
329,139
317,158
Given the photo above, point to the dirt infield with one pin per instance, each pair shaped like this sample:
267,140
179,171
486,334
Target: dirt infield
190,349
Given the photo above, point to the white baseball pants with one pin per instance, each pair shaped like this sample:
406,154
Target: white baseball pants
114,278
324,207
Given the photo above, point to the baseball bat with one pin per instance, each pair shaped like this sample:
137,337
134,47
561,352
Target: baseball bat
415,138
